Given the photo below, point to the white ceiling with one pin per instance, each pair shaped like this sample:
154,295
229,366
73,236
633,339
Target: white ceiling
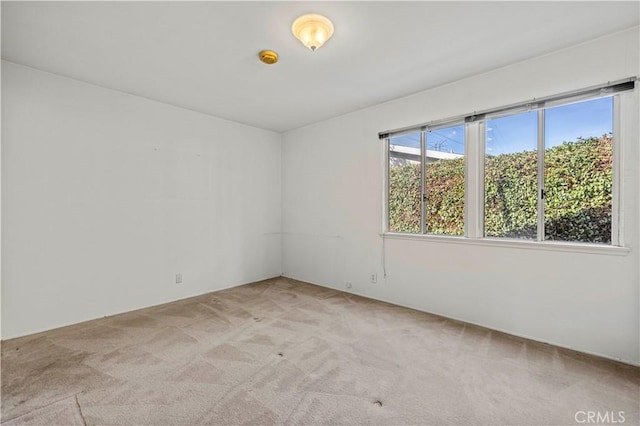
203,55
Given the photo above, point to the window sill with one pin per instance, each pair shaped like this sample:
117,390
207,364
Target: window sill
517,244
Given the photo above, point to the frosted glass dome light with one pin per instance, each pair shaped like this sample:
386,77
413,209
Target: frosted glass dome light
312,30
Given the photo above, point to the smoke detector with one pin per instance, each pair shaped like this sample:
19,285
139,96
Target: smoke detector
269,57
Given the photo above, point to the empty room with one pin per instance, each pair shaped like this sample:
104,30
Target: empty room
300,213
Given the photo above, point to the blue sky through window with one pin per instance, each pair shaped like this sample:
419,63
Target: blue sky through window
518,132
449,139
587,119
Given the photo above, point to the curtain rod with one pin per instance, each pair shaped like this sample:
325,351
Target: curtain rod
535,103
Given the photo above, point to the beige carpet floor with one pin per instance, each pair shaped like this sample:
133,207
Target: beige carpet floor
285,352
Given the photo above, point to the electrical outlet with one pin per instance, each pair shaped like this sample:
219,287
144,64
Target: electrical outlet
374,278
349,285
179,278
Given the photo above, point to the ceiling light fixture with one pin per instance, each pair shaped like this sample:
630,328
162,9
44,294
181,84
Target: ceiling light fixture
312,30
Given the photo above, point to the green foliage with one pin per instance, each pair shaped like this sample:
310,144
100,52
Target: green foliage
511,195
578,182
445,197
404,198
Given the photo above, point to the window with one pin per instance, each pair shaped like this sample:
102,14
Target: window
578,171
405,192
444,181
543,171
562,173
427,182
510,176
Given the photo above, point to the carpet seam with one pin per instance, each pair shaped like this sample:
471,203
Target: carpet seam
84,422
39,408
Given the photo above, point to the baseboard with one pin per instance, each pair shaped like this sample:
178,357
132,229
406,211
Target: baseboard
107,316
449,317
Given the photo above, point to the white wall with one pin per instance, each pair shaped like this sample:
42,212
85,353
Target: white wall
106,196
0,208
332,217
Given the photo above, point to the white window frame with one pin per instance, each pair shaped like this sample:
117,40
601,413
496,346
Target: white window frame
423,173
624,105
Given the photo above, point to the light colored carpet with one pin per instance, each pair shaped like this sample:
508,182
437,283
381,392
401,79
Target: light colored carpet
285,352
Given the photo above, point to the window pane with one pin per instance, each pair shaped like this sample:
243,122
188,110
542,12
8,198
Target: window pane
578,171
404,183
444,181
510,183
